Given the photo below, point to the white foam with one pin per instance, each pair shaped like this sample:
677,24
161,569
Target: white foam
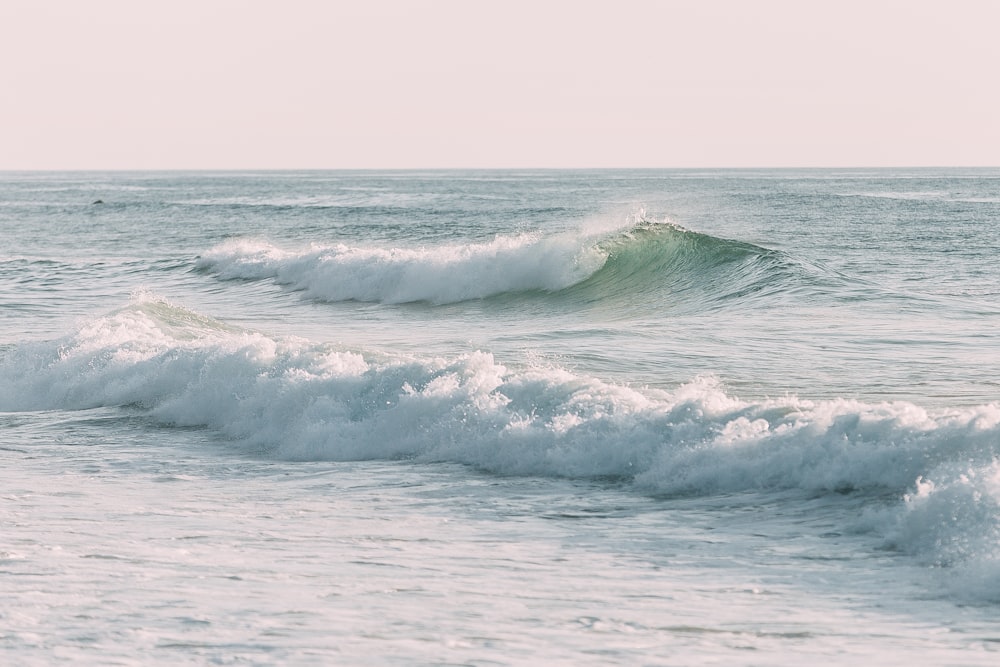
440,274
952,522
292,399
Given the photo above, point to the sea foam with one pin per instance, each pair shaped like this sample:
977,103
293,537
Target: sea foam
297,399
441,274
292,399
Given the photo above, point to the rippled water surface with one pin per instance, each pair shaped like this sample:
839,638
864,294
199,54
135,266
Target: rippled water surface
610,417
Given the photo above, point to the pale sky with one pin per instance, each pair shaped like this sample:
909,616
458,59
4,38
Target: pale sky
226,84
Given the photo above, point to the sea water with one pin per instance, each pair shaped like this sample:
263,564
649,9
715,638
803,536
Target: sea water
500,417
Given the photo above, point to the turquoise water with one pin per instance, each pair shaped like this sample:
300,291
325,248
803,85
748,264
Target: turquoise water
760,407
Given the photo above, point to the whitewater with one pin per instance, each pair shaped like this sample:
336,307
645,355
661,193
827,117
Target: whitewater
500,417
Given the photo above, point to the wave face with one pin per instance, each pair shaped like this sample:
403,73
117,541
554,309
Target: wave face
665,265
297,400
646,260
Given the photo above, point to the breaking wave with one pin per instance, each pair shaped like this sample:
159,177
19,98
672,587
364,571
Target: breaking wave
293,399
661,262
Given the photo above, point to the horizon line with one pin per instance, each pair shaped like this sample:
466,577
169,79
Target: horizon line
480,168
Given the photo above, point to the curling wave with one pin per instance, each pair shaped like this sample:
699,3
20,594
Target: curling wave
661,263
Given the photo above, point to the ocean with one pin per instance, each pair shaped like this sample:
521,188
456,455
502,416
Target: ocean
609,417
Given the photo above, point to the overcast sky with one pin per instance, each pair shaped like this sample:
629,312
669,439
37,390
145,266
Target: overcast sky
203,84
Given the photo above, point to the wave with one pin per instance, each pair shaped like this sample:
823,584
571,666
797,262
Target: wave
663,265
660,260
442,274
292,399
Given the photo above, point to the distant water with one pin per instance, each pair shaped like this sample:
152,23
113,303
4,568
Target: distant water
477,417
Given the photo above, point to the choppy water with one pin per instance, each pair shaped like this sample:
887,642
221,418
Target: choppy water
609,417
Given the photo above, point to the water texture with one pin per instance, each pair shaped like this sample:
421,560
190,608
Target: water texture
472,417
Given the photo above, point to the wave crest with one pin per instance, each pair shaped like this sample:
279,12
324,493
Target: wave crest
190,369
647,264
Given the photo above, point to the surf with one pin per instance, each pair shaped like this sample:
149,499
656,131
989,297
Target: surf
295,398
442,274
655,264
291,399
